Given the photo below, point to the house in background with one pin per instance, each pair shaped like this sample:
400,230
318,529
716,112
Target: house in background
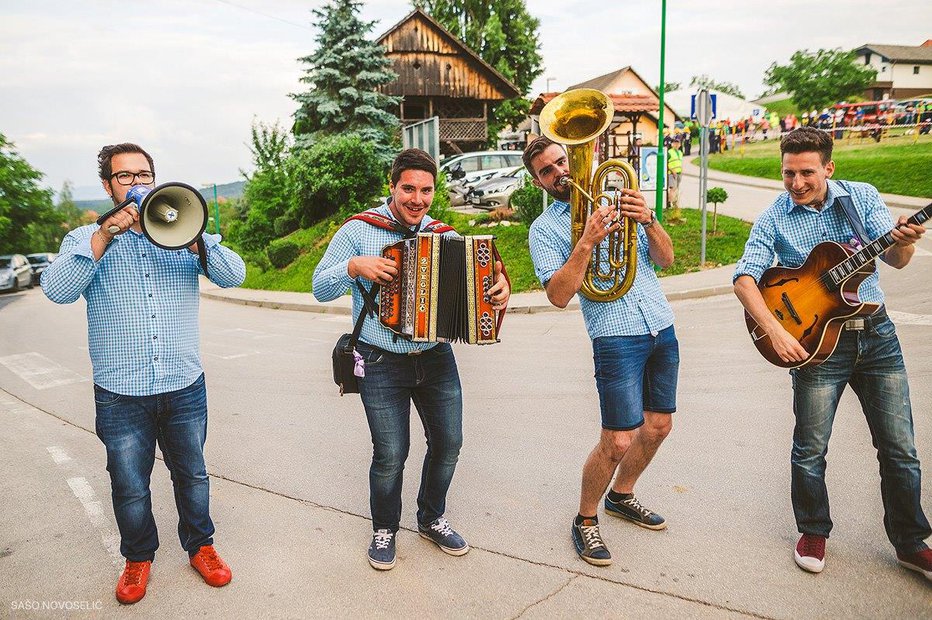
439,76
903,71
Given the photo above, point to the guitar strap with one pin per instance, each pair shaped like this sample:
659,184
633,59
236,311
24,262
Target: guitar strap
847,205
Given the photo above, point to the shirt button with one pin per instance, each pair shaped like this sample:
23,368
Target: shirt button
150,294
155,337
147,275
143,254
153,316
156,358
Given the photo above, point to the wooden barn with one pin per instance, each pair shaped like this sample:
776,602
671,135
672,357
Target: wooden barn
439,76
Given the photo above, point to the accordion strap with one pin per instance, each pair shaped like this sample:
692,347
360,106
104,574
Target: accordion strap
383,221
501,315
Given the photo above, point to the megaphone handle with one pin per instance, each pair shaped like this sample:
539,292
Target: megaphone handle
103,218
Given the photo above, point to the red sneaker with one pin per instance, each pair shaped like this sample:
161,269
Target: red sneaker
921,562
810,553
211,567
132,584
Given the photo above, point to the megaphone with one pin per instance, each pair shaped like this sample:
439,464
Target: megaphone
172,216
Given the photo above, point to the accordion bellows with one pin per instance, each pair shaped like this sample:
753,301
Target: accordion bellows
441,292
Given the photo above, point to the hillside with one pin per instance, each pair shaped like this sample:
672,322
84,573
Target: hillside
227,190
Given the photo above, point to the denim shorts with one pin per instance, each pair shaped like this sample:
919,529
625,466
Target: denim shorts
635,374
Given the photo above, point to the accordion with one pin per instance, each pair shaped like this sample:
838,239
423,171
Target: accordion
441,291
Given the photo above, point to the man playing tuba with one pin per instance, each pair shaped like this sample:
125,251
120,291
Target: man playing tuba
634,345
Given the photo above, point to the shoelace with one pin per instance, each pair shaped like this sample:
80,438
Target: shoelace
634,503
133,573
591,536
442,526
382,538
211,559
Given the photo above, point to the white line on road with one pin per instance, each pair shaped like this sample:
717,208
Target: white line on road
39,371
58,455
95,512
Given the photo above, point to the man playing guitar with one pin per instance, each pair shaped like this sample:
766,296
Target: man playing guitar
867,357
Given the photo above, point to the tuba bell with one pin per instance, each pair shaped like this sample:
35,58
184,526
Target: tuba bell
576,119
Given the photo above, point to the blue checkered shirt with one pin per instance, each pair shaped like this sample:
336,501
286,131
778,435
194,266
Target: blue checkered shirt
142,306
331,278
788,232
642,310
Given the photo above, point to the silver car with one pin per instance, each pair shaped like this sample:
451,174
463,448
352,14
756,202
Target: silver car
15,272
496,191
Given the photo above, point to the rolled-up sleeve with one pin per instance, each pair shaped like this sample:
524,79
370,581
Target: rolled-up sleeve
331,277
225,267
72,271
759,249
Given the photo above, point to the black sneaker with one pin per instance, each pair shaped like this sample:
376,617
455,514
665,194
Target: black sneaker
382,550
632,510
441,534
589,543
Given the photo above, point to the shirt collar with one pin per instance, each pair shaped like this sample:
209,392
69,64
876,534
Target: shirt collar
560,206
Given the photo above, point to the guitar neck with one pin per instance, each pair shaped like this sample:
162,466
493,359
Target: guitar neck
843,270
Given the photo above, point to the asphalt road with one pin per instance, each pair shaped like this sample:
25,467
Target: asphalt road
289,464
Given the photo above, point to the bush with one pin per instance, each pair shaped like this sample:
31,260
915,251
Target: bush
527,202
282,252
337,173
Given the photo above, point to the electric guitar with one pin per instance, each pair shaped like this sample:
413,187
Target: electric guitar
813,301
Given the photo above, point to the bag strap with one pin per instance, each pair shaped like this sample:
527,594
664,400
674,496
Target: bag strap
854,219
202,254
368,307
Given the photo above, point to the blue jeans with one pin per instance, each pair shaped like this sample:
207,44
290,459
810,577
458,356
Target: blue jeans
129,427
392,381
871,362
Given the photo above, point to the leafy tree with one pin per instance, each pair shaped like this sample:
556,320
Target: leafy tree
704,81
343,76
504,35
27,219
669,86
820,78
715,195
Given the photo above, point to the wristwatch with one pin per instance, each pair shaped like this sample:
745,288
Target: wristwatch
653,218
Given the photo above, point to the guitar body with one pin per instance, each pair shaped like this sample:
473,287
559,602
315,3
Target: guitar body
808,306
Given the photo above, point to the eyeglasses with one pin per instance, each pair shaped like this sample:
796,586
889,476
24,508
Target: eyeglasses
125,177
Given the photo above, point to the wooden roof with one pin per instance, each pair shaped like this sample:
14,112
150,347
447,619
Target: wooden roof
919,54
624,104
431,61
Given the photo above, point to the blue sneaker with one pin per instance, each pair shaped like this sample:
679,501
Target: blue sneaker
382,550
441,534
632,510
588,543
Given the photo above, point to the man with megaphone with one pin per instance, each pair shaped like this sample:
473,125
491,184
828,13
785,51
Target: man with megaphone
138,269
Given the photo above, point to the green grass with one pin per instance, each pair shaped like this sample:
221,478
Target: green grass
725,247
895,165
783,108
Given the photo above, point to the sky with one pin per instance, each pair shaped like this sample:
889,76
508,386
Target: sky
186,79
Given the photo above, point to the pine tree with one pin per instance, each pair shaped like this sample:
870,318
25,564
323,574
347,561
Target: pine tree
344,75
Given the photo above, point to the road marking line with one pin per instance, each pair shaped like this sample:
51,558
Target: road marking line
58,455
907,318
39,371
95,512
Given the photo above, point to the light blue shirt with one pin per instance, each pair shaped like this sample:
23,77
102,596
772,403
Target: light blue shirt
788,232
642,310
331,277
142,306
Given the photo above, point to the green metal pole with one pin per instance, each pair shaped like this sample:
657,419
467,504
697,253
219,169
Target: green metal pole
216,211
661,156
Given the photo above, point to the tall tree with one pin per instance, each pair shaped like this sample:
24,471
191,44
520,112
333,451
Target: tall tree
504,35
26,211
817,79
704,81
343,76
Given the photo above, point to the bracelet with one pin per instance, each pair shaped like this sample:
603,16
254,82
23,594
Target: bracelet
101,235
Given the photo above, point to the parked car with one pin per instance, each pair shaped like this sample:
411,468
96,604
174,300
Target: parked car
496,191
15,272
39,262
469,168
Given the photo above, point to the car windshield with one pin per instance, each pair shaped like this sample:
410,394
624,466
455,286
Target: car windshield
517,172
37,260
4,262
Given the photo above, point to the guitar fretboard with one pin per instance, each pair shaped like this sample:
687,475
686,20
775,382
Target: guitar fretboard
843,270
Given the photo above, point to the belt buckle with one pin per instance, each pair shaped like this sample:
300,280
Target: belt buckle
854,325
415,352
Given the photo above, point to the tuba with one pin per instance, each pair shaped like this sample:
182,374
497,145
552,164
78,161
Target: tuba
576,119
